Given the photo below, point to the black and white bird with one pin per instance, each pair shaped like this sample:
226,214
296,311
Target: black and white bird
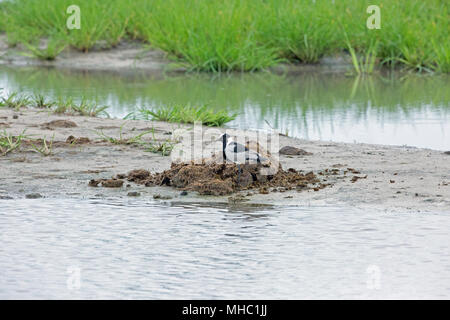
238,153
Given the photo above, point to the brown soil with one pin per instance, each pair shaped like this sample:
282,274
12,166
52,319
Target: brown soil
107,183
80,140
293,151
59,124
222,179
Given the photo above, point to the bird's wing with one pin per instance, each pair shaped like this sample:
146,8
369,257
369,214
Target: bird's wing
237,147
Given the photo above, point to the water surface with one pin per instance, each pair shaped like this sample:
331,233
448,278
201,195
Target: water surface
410,110
138,249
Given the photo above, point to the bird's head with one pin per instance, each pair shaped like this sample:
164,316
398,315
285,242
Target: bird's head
224,138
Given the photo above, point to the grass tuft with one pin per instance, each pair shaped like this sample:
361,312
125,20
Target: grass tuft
364,64
137,139
60,106
46,149
49,53
9,143
15,101
41,102
90,109
185,114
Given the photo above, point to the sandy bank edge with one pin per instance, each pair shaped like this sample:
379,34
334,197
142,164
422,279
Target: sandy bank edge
398,178
129,56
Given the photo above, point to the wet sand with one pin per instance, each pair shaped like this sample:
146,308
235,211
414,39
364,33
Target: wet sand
398,178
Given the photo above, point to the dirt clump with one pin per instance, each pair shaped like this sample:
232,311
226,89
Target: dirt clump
293,151
33,196
107,183
59,124
136,175
356,178
224,179
81,140
215,187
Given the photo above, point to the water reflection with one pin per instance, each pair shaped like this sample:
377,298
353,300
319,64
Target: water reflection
140,249
412,110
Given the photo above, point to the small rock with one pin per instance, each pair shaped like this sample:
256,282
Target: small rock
19,159
447,153
33,196
356,178
237,198
94,183
60,124
293,151
263,190
183,193
112,183
133,194
162,197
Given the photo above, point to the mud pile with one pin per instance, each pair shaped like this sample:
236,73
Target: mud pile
223,179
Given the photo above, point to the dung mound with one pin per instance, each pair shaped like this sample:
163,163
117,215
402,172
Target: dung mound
223,179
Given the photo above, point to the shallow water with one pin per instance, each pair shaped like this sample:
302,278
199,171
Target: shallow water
139,249
412,110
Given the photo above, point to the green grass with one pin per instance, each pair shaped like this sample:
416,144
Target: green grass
9,143
137,139
90,109
46,149
15,101
62,105
218,36
41,102
364,64
50,52
162,147
185,114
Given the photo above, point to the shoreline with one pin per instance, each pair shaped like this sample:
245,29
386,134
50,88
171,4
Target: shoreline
398,178
134,56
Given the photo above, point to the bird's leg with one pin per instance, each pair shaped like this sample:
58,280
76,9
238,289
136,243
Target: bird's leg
239,174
